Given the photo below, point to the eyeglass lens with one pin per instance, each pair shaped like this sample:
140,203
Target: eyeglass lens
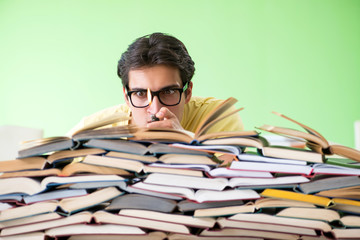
167,97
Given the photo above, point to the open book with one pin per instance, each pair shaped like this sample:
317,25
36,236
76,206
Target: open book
201,133
98,129
43,146
314,140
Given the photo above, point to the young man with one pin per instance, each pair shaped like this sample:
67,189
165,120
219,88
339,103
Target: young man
156,72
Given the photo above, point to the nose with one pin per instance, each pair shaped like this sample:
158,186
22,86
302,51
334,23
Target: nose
154,106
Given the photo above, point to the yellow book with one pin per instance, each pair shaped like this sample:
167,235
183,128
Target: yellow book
282,194
346,201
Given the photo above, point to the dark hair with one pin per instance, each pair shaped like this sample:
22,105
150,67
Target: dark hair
155,49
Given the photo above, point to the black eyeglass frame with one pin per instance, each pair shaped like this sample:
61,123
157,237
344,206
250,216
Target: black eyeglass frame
157,93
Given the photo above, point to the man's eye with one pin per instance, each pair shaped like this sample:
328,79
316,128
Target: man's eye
140,94
168,92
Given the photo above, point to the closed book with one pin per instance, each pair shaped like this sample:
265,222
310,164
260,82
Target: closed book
282,194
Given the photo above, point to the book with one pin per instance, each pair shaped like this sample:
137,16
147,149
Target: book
135,190
66,205
173,158
121,231
81,217
126,164
28,210
212,149
179,169
178,236
344,162
230,173
292,153
43,146
27,236
30,163
322,214
118,132
280,140
31,173
329,183
248,139
132,156
75,204
259,205
346,205
308,170
168,217
154,235
238,232
330,169
350,221
190,206
43,217
261,183
271,167
54,195
99,122
81,168
199,167
200,195
71,169
272,223
350,234
139,201
258,158
352,193
167,158
70,154
91,185
314,139
187,181
31,186
289,195
109,218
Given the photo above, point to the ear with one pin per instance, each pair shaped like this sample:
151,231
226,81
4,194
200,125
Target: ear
188,92
126,97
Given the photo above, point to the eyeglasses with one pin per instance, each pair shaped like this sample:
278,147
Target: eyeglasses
167,97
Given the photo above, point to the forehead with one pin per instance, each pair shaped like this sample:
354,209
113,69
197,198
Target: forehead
155,77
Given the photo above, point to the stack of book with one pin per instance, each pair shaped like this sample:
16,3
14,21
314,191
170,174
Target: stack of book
128,183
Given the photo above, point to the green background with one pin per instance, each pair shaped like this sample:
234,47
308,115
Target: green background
301,58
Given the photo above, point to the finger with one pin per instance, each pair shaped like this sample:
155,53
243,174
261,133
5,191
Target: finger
165,113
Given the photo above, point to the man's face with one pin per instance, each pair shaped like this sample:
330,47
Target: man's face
155,78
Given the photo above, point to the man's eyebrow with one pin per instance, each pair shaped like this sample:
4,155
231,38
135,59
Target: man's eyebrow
138,89
164,88
170,87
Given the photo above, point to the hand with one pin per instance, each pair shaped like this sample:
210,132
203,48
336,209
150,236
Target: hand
167,120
